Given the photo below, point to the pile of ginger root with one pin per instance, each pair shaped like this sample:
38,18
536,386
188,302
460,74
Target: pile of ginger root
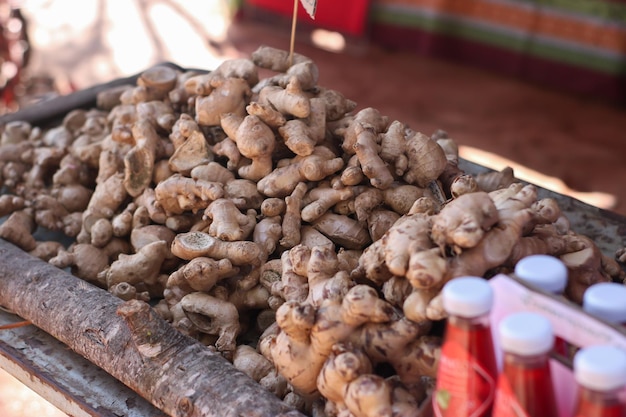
304,239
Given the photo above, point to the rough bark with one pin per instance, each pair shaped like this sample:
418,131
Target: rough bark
131,342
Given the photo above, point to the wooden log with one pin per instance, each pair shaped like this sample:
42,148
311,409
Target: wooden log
176,373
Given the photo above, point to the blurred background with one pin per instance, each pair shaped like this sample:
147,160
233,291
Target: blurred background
539,85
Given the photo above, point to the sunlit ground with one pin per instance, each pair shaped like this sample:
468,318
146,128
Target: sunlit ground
329,40
82,43
493,161
18,401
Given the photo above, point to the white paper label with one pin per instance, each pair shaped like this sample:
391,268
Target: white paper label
309,6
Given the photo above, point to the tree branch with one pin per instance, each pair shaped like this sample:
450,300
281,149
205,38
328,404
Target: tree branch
176,373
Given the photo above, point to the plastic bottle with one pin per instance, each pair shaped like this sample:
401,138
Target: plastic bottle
600,372
549,274
543,271
607,301
467,368
525,387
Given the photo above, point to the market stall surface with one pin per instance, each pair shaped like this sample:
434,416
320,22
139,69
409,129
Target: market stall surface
573,145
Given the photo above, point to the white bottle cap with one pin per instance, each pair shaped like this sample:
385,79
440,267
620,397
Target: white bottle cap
607,301
543,271
467,297
526,334
600,367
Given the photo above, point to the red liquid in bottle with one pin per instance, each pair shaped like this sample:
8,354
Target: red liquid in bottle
467,370
467,367
525,386
600,372
599,404
527,383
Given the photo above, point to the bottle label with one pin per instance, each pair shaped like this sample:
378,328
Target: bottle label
464,387
506,403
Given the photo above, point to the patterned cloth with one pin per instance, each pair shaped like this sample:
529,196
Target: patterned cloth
575,45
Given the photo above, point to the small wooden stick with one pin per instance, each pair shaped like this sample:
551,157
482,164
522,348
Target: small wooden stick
15,325
176,373
293,31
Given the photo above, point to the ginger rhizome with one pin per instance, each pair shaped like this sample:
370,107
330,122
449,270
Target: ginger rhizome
304,238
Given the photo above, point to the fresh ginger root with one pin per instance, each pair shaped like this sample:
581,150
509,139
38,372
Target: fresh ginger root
463,222
495,180
139,162
154,84
238,200
348,383
343,366
267,233
46,250
343,230
391,254
240,68
322,198
409,248
194,244
276,59
588,266
368,118
178,194
85,261
290,100
269,115
412,155
514,214
372,165
227,222
227,95
158,113
255,141
107,197
182,129
292,219
301,136
426,160
126,292
315,167
393,144
306,72
404,344
372,395
257,367
400,198
320,267
453,179
307,336
199,274
19,228
543,239
214,316
140,269
194,151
